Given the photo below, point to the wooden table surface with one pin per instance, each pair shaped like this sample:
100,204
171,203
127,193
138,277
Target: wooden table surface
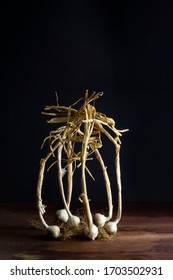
145,232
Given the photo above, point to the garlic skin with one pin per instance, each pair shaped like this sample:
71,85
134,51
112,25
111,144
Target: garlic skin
111,227
62,215
53,231
99,219
73,221
91,232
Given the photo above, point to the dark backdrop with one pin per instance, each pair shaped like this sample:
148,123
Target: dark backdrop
124,50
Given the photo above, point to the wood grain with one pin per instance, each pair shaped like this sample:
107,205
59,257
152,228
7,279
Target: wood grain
145,232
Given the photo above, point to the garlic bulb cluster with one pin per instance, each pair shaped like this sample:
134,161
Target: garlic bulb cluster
62,215
91,232
73,221
99,219
111,227
77,140
53,231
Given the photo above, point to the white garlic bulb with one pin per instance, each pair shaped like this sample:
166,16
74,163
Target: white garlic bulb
111,227
62,215
99,219
91,232
73,221
53,231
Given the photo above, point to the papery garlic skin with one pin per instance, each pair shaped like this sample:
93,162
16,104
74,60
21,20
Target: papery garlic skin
99,219
62,215
111,227
73,221
91,232
53,231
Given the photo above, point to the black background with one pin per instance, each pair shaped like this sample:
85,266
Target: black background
124,49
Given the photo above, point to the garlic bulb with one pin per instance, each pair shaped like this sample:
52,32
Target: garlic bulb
111,227
99,219
91,232
73,221
62,215
53,231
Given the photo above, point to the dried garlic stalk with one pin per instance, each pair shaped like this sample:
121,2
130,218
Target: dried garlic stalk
85,126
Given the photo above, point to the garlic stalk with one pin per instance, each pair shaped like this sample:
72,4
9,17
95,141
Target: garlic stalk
63,139
53,230
72,220
111,227
91,231
62,214
70,175
100,219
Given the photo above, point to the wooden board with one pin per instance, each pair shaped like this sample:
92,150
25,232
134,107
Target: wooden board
145,232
